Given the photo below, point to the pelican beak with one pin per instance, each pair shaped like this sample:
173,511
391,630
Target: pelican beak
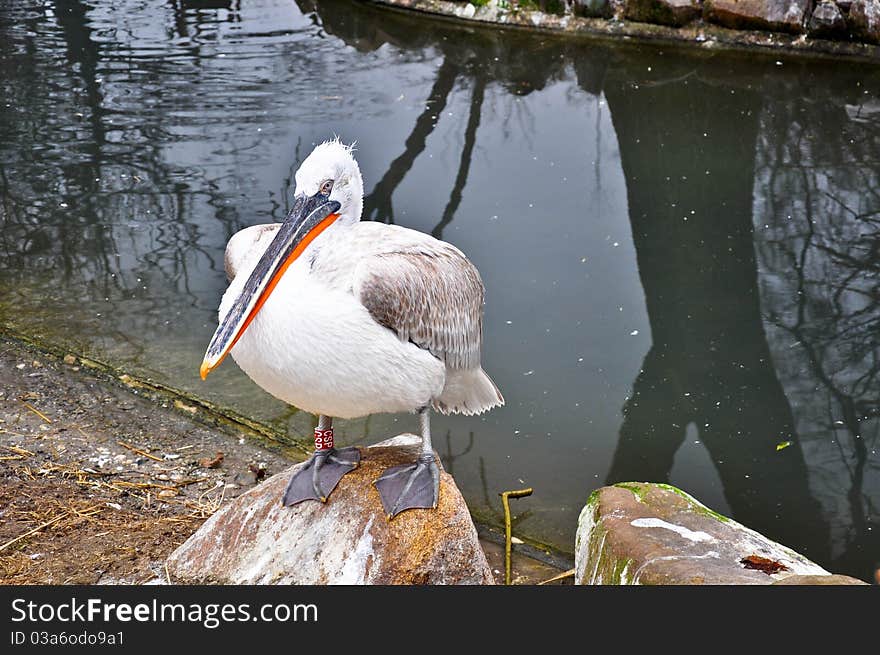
309,216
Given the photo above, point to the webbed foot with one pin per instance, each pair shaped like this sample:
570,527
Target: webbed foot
411,486
318,477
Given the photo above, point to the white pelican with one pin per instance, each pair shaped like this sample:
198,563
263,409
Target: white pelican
344,318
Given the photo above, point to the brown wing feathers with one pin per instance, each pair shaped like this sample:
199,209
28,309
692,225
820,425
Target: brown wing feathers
434,299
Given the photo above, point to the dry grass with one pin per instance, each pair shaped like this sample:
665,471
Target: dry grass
65,523
62,537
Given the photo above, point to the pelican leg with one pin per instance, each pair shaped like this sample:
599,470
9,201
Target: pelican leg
412,486
318,477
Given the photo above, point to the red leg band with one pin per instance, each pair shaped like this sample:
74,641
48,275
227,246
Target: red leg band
323,439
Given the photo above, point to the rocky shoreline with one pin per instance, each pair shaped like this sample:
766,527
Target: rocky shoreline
129,469
847,29
142,474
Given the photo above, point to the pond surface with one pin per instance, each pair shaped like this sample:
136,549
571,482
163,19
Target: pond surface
681,250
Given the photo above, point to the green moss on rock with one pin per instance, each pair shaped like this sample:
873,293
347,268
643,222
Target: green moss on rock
699,507
637,488
595,563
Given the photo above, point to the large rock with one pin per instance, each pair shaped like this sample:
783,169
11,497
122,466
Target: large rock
864,20
348,540
643,533
662,12
772,15
827,21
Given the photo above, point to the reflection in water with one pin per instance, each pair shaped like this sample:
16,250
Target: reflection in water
709,364
676,248
819,252
377,204
470,139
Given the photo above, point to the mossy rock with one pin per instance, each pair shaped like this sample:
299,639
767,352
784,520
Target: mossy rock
649,533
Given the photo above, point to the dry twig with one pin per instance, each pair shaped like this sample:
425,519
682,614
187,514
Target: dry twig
561,576
37,412
140,452
70,512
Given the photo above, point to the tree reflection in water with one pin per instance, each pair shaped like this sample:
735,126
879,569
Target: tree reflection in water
819,253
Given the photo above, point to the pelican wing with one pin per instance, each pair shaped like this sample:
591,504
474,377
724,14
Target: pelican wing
246,246
432,296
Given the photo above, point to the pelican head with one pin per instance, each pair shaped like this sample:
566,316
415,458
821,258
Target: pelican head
332,166
329,189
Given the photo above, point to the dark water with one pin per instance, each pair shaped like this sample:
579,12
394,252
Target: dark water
681,251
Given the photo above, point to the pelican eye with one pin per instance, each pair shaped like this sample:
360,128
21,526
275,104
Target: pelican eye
326,187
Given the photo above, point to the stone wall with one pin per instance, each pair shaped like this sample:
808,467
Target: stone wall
837,27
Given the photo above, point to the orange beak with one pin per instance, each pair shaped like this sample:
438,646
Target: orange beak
308,218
